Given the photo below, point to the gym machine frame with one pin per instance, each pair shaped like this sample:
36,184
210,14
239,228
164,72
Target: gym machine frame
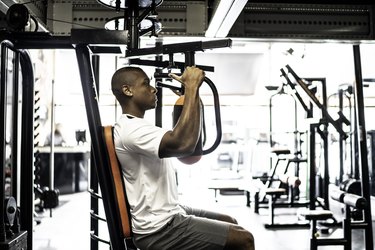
85,41
325,120
23,221
287,185
93,116
366,224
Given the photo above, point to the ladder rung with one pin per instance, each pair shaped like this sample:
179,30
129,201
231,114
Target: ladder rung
94,215
96,195
95,237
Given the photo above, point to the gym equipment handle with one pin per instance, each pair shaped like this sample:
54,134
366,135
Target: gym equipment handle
216,107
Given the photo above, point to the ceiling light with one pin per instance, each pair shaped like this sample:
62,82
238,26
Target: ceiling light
224,17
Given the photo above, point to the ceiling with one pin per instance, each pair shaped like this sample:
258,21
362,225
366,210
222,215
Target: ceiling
182,21
258,19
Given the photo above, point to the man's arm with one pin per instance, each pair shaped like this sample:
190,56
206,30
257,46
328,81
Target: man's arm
182,140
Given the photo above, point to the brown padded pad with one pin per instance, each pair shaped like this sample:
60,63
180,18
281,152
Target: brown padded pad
118,182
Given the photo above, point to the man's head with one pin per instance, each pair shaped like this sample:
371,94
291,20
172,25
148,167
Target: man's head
132,89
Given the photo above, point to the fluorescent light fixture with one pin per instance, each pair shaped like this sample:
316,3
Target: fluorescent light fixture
225,15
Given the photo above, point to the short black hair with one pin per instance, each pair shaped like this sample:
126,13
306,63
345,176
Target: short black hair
123,76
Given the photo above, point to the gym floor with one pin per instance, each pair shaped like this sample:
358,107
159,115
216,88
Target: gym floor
69,226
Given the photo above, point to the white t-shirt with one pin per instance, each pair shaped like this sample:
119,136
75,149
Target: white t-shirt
150,182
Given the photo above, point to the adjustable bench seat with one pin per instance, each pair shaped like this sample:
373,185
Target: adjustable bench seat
119,186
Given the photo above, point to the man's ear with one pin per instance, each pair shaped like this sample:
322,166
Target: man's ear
126,90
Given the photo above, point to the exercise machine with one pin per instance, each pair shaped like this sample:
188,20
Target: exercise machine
16,221
354,204
364,196
281,187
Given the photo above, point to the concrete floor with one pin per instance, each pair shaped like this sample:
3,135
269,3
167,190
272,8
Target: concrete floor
68,228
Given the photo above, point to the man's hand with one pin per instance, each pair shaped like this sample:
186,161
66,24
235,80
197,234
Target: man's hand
191,78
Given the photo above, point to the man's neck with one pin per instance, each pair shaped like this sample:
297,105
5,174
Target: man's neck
133,113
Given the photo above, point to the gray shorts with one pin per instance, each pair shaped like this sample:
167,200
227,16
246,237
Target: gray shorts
198,230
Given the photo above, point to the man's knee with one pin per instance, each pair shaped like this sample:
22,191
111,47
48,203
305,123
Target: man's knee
239,239
228,218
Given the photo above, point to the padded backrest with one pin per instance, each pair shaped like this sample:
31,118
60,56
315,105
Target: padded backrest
118,182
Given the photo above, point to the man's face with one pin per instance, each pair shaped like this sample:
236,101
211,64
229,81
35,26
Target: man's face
144,95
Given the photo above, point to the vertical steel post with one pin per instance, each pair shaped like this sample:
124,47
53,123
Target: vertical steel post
15,126
341,138
362,146
27,147
98,146
94,183
3,108
312,165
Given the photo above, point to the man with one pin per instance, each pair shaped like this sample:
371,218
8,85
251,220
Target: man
145,150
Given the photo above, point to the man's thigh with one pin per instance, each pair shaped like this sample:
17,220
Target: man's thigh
185,232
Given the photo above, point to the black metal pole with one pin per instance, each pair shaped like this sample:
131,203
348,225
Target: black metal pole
15,122
3,107
326,179
131,20
94,183
27,147
312,165
98,146
341,139
159,94
270,126
361,125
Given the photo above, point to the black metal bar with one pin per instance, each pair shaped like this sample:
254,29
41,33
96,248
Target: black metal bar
97,239
3,108
361,125
331,242
326,179
161,85
132,24
94,194
181,47
217,117
94,183
44,40
96,216
159,95
36,40
98,36
341,140
296,94
166,64
315,100
94,203
27,147
312,165
189,58
15,122
98,146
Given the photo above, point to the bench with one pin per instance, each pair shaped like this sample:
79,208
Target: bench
275,200
119,186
